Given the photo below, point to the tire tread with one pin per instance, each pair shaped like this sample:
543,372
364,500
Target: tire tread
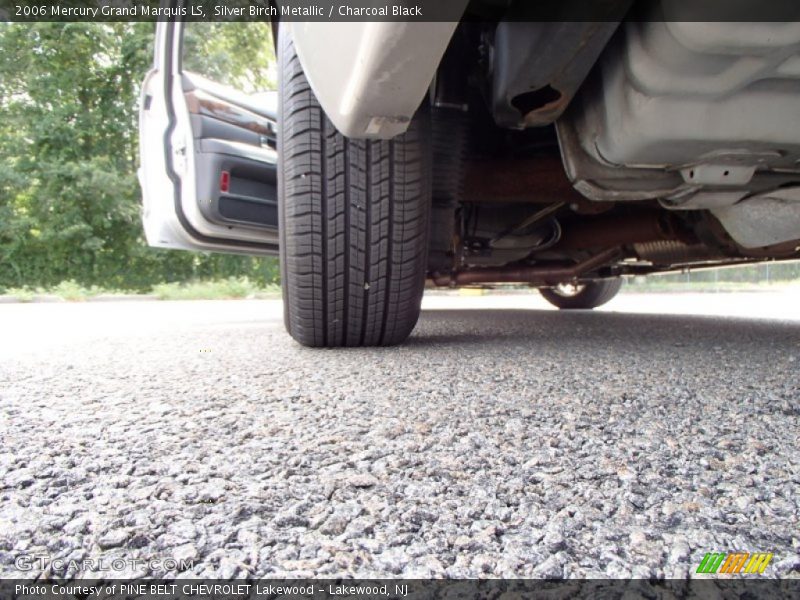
354,223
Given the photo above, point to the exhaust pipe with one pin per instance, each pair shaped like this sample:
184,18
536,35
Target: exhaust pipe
540,276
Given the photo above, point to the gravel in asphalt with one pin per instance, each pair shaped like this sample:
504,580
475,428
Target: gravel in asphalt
513,443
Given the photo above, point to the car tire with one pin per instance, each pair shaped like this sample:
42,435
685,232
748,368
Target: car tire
588,295
353,217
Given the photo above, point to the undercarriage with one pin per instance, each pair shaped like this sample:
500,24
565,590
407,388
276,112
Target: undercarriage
566,153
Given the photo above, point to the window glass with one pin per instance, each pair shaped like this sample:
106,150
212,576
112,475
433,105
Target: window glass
238,55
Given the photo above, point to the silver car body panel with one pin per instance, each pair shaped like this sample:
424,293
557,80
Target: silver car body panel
370,77
698,115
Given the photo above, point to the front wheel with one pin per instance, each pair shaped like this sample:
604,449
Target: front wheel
584,295
353,222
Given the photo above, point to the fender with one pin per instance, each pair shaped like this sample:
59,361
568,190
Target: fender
370,78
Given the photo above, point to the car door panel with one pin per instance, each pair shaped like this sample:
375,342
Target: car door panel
209,165
233,185
235,158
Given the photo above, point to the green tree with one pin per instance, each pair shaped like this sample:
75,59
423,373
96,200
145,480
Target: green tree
69,198
216,51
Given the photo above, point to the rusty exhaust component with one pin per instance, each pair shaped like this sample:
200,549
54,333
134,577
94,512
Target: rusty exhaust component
614,231
673,252
519,180
533,275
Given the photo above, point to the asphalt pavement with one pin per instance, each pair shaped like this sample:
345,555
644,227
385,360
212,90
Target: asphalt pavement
504,439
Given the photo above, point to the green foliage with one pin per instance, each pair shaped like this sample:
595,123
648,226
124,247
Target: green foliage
21,294
233,287
73,291
215,51
69,198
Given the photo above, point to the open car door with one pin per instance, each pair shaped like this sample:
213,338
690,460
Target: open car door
208,159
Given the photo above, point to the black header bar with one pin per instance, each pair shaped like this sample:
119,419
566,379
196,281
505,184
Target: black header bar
787,11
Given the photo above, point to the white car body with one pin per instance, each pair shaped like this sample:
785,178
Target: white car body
373,83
